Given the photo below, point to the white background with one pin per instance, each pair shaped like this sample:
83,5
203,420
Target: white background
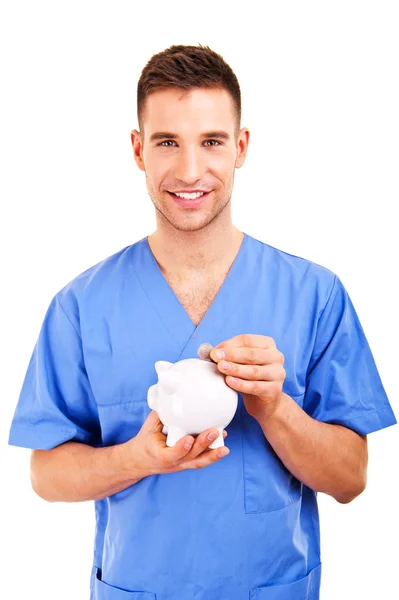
320,96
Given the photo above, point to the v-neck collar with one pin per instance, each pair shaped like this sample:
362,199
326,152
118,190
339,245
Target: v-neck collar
168,306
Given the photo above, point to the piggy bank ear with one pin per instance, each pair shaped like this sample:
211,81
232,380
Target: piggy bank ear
162,365
169,381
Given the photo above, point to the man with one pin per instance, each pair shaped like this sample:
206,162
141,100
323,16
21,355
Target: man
188,521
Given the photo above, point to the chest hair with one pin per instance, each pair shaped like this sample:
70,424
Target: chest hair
196,294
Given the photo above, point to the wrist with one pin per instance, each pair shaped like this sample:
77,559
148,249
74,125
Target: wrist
130,461
275,411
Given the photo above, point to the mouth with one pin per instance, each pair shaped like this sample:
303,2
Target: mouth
190,200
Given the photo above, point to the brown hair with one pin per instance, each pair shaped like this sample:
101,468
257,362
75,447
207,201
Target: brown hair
186,67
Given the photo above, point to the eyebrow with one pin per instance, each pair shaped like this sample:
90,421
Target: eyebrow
161,135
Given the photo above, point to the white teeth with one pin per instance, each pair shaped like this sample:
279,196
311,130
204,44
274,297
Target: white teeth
193,196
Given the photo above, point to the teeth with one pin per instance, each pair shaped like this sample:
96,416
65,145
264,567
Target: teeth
193,196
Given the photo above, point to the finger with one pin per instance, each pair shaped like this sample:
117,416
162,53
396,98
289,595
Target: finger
225,434
249,355
178,452
202,443
250,340
257,388
205,459
275,372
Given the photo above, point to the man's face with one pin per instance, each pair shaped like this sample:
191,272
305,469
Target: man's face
197,151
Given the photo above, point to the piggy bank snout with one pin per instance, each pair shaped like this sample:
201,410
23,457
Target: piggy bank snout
152,396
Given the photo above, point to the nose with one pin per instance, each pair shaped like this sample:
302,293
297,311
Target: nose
189,166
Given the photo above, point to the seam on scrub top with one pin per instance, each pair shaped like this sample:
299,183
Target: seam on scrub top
34,435
326,304
33,423
264,512
311,262
153,306
65,313
328,299
144,401
242,454
296,395
91,392
308,369
367,412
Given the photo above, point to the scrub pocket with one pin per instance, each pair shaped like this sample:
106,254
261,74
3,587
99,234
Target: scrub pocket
268,485
103,591
307,588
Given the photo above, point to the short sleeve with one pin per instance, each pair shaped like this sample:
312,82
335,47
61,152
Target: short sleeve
56,403
343,385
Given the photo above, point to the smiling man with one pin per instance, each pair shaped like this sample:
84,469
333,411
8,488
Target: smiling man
194,163
227,523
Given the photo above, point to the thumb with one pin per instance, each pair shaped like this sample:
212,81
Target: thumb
153,424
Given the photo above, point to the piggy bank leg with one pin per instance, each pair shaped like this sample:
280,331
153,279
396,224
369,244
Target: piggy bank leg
174,435
165,430
218,442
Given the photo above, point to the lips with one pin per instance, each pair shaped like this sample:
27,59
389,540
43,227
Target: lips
186,203
193,192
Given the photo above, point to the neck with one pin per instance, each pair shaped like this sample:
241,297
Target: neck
183,252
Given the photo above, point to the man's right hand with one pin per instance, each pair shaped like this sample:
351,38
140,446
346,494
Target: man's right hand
150,454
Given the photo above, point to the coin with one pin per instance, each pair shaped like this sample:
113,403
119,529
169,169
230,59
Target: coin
204,351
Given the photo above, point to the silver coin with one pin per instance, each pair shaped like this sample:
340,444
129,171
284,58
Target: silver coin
204,351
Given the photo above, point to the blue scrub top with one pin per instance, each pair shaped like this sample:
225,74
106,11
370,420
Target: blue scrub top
243,527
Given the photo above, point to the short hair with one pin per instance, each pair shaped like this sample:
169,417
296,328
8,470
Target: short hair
187,67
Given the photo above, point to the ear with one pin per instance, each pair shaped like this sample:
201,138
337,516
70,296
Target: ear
137,144
242,147
162,365
169,381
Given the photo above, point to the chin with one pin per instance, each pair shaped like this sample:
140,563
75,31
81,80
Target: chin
197,221
190,227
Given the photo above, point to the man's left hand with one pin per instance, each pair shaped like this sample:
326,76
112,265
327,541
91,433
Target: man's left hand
254,367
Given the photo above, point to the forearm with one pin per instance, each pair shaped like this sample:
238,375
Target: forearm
327,458
74,472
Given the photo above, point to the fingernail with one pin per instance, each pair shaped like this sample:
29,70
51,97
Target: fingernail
220,354
188,444
223,452
225,365
212,436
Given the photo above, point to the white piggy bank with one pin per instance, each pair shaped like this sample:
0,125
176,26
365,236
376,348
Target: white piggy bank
191,395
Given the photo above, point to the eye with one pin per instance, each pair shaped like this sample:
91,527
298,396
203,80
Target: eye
217,142
165,142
